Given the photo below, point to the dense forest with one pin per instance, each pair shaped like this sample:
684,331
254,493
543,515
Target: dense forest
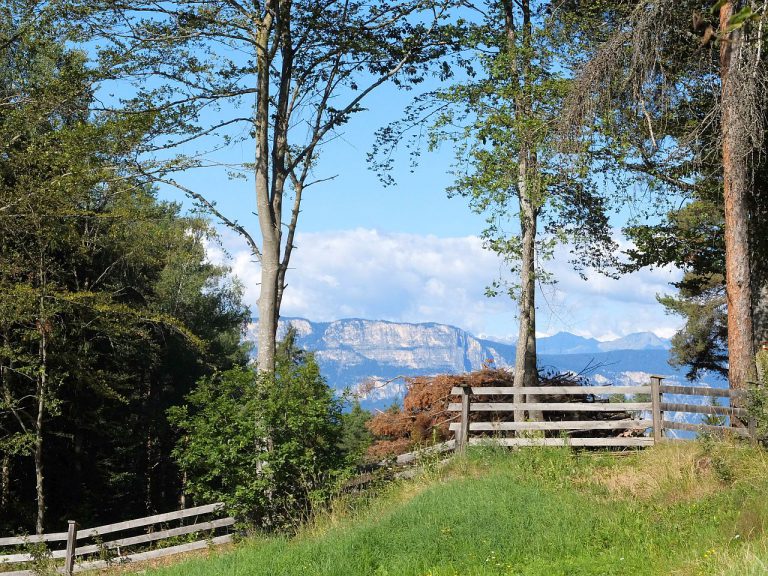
126,386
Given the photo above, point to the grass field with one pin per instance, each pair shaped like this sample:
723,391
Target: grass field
693,508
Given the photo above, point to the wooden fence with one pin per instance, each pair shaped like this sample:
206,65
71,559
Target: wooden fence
206,528
644,406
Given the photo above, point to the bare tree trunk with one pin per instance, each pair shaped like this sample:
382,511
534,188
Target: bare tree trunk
525,354
269,220
268,310
149,463
5,475
5,482
42,389
736,187
183,493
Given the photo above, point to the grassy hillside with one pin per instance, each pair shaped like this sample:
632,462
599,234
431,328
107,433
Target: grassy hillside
697,508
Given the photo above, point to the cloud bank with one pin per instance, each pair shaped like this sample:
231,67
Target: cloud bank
367,273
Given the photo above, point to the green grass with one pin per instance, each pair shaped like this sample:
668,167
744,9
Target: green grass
682,509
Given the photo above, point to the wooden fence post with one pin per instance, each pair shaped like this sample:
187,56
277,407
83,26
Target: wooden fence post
656,413
69,559
752,429
463,438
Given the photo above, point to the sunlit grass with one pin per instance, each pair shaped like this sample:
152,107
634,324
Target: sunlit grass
676,509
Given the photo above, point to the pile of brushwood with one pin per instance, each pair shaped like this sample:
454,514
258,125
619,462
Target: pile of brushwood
424,418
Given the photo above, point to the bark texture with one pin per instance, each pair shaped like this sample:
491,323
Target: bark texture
736,190
268,204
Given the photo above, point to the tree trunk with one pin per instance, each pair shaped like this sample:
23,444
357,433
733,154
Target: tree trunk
269,220
268,312
736,187
5,475
5,482
149,461
42,386
525,354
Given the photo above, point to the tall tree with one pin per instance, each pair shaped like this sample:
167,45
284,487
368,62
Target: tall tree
740,64
44,89
650,87
501,121
105,298
308,67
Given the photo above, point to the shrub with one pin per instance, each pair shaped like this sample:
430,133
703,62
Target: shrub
355,436
266,445
757,403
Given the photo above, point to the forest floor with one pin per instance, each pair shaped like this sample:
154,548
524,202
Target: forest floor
679,508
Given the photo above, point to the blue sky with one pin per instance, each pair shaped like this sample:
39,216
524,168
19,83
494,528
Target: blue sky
409,253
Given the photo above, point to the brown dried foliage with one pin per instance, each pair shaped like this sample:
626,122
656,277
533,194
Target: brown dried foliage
424,418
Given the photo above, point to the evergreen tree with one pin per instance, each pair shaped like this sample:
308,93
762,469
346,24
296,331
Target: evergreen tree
679,103
108,310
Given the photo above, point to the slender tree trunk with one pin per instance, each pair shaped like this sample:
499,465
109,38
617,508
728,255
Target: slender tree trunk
5,475
42,389
269,193
269,220
525,354
148,453
268,312
736,187
183,493
5,482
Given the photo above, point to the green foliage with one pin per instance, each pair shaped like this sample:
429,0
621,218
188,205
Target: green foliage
265,445
355,435
758,397
502,123
43,563
109,311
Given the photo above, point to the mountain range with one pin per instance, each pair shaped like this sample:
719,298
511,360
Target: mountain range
355,351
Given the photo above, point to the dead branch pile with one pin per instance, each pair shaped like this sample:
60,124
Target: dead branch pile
425,419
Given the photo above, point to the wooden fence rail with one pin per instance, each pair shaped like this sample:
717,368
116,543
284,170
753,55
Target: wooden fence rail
644,427
209,532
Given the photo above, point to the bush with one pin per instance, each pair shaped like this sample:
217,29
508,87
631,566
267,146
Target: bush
758,397
266,445
355,436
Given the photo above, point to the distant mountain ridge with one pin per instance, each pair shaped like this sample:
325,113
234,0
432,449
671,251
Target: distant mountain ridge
354,350
567,343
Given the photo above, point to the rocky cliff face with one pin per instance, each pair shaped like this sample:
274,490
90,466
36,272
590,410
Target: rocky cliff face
410,346
354,350
407,349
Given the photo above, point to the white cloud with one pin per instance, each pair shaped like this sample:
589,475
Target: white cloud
415,278
604,308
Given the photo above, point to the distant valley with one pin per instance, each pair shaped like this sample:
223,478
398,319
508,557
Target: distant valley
353,351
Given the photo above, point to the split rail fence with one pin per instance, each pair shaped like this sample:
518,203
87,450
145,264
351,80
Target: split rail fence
645,426
206,528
